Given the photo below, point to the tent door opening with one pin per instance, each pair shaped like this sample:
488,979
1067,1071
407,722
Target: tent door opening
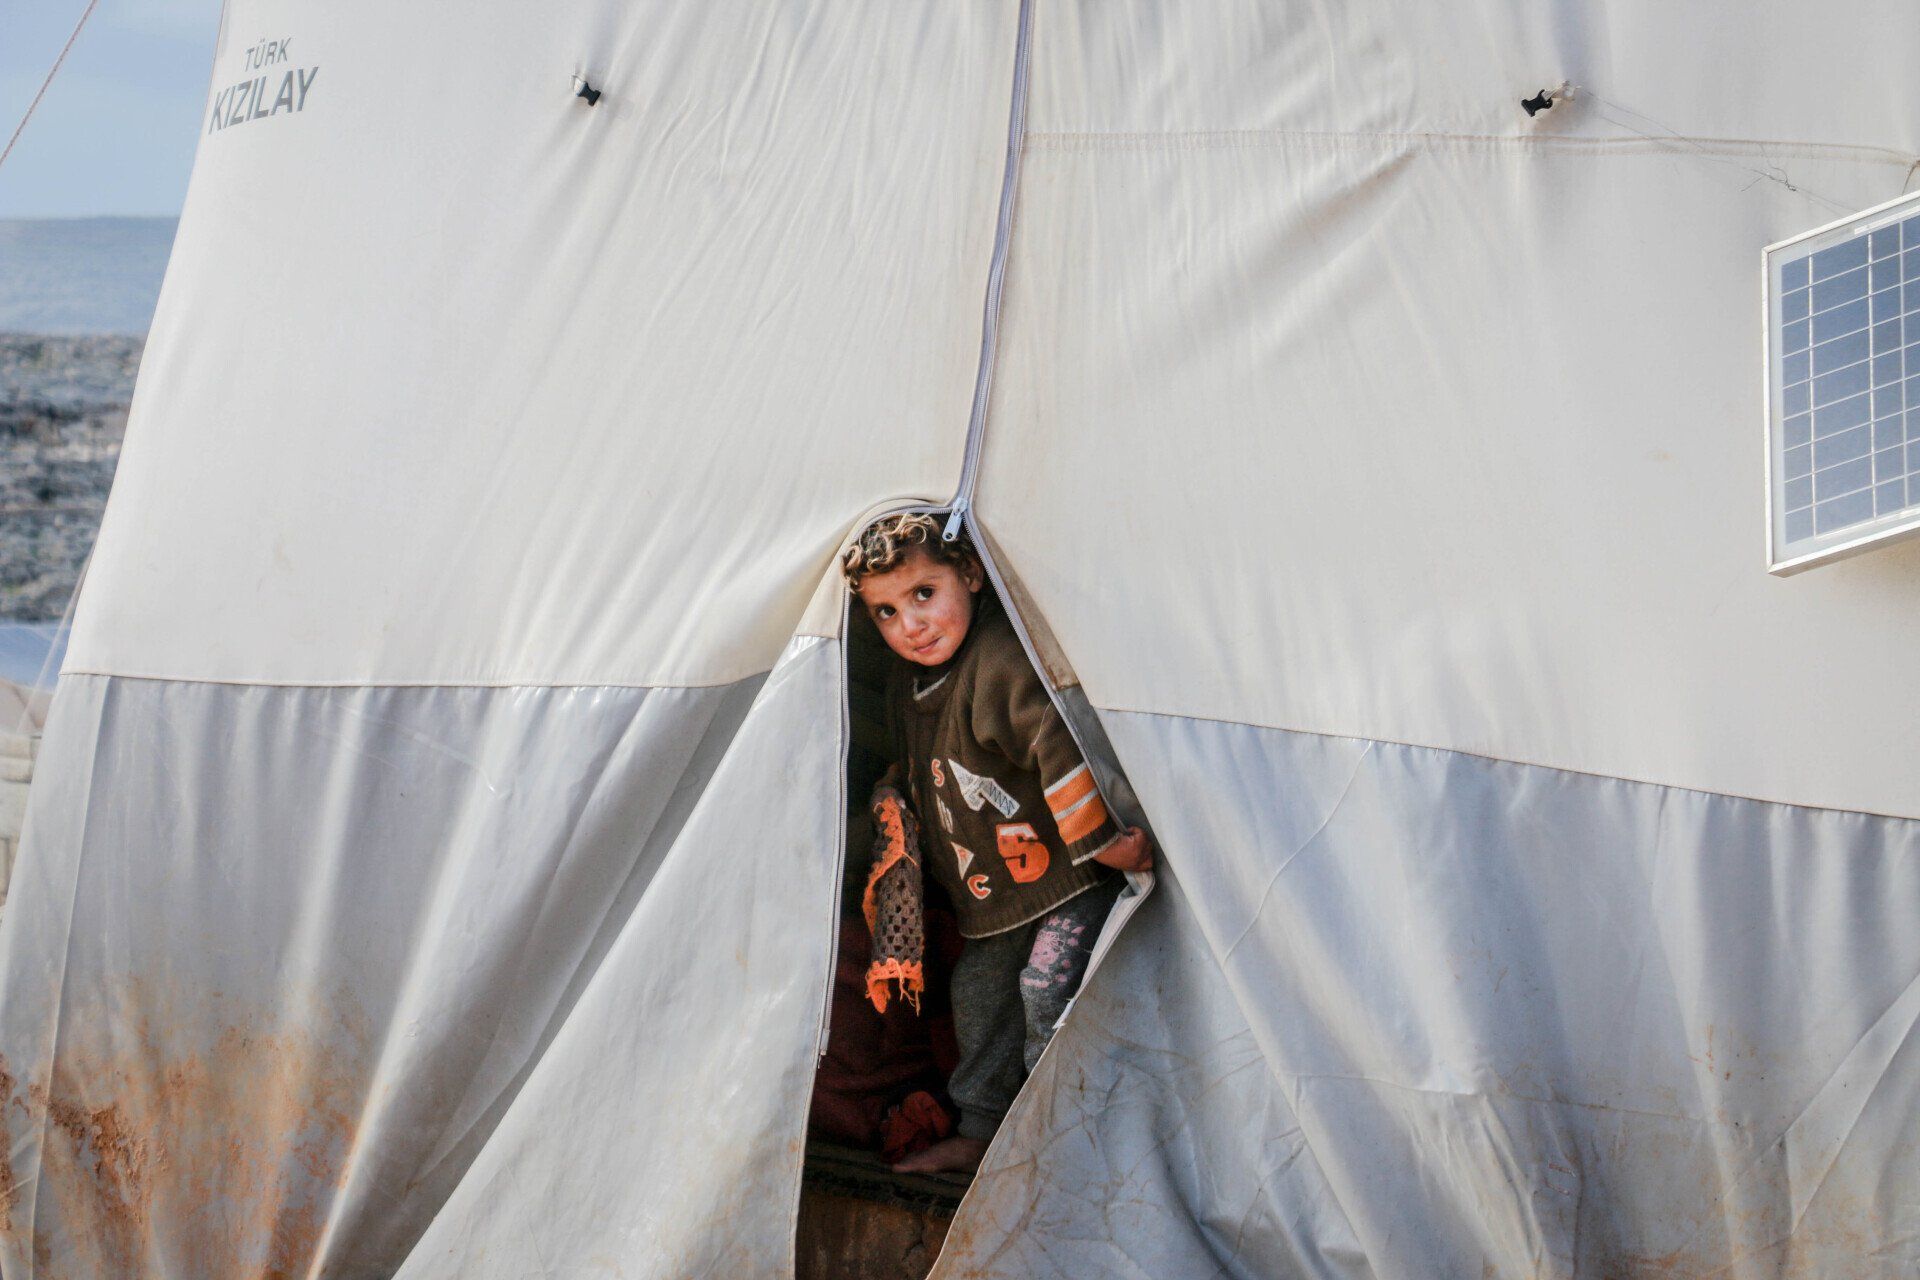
880,1087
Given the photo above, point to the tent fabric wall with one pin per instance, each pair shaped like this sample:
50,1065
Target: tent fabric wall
264,1005
1464,406
444,777
614,379
661,1134
417,734
1368,446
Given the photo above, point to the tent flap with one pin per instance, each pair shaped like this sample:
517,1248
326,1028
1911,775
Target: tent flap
362,921
1408,1012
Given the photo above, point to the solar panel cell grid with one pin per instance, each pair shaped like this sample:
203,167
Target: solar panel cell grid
1847,362
1842,257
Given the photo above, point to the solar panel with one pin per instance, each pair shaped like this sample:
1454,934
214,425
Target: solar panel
1843,387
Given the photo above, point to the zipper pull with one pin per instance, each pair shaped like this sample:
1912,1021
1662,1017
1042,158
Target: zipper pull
952,532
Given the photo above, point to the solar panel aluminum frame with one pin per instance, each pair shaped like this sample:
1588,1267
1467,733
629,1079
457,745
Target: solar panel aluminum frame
1874,533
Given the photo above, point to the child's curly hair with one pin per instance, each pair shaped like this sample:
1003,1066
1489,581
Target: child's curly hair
883,544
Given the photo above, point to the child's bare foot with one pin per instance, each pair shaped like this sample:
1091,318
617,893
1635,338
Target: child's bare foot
949,1155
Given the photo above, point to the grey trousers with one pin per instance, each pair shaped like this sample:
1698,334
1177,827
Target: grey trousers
1008,991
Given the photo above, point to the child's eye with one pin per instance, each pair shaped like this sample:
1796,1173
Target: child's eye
884,612
923,593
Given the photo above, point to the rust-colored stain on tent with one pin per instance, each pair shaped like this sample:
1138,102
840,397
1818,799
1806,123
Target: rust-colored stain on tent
241,1145
9,1185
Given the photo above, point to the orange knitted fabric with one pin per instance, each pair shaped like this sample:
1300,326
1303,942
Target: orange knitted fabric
892,902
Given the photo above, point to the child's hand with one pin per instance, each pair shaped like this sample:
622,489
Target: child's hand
1131,852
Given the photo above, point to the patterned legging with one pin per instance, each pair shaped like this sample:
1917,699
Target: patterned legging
1008,992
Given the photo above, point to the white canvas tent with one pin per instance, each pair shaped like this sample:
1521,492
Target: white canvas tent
433,858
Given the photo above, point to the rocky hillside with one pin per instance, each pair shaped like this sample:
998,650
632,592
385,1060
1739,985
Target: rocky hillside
63,410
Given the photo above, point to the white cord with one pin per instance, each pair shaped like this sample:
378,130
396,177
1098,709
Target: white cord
52,71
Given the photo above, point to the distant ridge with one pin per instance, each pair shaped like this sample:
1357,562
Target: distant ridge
82,275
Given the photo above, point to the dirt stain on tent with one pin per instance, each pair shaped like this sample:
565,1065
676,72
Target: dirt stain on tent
239,1142
9,1185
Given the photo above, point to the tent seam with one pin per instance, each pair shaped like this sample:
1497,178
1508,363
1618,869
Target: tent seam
1237,139
260,683
437,684
1510,760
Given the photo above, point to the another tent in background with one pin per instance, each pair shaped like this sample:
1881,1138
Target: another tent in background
23,708
29,659
23,713
435,851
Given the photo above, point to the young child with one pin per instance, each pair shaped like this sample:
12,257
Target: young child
1010,823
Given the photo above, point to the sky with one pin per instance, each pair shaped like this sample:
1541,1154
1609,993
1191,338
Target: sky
116,132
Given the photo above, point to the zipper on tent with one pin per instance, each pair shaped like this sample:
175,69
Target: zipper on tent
996,280
961,508
1139,883
976,418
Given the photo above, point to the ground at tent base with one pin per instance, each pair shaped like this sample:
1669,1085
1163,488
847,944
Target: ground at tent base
860,1221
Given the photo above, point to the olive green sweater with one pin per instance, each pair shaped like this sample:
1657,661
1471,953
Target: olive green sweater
1009,816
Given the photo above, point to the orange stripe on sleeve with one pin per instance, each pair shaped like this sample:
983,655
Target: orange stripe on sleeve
1084,821
1070,789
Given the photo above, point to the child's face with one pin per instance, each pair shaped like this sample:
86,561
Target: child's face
923,607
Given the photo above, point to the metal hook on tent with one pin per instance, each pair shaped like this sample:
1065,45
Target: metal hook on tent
581,89
1546,98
